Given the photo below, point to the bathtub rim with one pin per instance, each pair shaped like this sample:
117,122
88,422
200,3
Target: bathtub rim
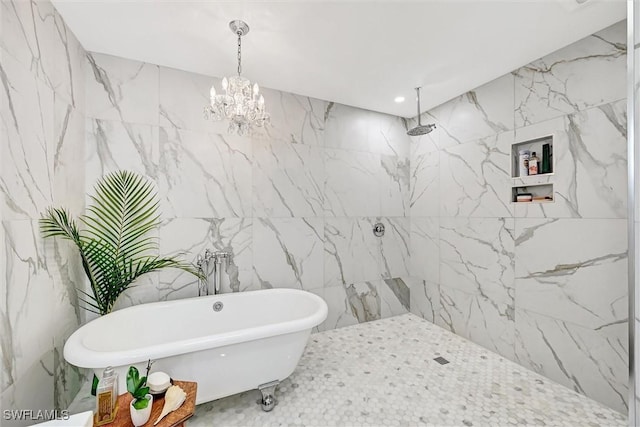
78,355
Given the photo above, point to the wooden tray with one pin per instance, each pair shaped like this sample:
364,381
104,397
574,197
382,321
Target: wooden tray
175,418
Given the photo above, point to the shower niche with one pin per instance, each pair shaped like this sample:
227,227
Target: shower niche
535,188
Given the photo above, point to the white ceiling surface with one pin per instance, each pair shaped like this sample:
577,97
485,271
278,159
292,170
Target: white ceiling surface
359,53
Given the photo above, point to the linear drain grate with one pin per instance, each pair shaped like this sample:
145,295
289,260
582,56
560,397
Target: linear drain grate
441,360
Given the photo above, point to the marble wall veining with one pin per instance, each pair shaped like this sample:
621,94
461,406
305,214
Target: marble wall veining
544,285
295,203
633,103
42,110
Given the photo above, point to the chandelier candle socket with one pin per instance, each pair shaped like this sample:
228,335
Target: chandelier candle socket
241,104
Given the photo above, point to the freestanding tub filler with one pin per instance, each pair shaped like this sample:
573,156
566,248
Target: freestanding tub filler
227,343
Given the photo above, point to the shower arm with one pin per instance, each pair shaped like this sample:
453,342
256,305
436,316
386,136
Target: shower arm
418,103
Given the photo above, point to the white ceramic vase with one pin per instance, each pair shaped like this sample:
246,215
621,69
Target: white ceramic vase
141,416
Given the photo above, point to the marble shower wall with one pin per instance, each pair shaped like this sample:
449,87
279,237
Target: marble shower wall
635,123
295,204
42,150
542,284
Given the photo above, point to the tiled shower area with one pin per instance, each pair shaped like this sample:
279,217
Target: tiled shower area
405,371
526,302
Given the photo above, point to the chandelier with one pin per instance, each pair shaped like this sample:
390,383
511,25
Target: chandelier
241,104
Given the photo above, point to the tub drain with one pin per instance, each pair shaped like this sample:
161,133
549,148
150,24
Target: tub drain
217,306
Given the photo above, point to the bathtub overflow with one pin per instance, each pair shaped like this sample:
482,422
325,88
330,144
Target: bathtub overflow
217,306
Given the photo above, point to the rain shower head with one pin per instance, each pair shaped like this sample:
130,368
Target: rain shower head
420,129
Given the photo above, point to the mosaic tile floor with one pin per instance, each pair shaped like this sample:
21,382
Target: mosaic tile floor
382,373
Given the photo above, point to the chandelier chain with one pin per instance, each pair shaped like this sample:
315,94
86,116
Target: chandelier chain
239,53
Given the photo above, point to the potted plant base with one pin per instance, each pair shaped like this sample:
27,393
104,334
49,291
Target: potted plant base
141,416
140,406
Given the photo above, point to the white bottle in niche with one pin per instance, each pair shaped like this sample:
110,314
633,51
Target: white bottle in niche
533,164
523,162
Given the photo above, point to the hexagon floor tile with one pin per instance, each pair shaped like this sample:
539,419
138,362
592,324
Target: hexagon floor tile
382,373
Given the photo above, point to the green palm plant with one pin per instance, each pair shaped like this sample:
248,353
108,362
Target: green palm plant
115,245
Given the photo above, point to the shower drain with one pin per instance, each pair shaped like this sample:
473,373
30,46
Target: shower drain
441,360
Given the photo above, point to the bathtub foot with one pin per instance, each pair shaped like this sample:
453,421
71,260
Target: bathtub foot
268,391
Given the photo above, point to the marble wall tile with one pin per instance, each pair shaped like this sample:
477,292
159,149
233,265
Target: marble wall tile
590,164
288,179
113,146
190,237
28,36
425,183
346,127
364,300
29,297
484,321
65,268
182,98
475,178
592,362
598,144
184,95
477,257
351,183
27,114
68,175
572,269
395,296
351,251
121,89
294,118
32,390
204,175
67,379
388,135
424,299
340,313
5,326
288,252
394,247
424,249
585,74
482,112
69,65
394,186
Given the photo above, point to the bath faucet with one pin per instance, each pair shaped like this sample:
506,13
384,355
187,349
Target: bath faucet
219,259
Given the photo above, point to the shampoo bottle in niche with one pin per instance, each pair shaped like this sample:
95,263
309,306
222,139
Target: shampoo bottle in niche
546,159
523,162
533,164
107,397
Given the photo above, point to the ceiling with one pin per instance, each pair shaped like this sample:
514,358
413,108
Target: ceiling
359,53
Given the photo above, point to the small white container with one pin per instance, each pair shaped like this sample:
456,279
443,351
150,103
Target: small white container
523,162
158,382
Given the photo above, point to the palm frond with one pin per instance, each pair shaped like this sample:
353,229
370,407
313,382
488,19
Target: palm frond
115,246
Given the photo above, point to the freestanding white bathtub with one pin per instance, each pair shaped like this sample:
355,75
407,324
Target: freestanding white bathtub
256,338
